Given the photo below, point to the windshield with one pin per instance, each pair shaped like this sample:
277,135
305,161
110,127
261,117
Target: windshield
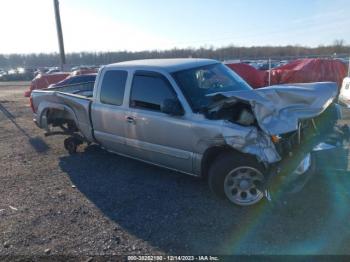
197,83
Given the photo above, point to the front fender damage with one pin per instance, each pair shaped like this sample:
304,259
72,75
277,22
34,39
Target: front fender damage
248,139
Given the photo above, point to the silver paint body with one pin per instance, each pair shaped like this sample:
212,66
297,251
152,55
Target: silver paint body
175,142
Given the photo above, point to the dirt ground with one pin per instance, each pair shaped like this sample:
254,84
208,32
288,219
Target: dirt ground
95,203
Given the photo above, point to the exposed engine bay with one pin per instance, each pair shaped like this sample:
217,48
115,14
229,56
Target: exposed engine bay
240,113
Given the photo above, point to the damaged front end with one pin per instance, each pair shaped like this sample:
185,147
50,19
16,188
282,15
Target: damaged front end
282,126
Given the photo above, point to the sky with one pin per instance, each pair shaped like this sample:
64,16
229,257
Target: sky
28,26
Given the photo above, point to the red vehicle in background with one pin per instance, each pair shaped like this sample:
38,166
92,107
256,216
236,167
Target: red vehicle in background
310,70
75,80
42,81
254,77
306,70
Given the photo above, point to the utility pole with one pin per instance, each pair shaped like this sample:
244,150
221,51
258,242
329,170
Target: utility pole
59,34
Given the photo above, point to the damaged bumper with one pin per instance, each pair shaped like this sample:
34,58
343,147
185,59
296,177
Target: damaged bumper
303,166
292,174
308,164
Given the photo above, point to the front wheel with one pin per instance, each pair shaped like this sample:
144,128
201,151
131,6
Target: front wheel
238,178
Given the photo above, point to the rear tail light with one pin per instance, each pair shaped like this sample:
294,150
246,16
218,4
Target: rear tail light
31,104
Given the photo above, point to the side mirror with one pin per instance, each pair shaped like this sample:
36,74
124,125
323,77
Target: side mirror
172,107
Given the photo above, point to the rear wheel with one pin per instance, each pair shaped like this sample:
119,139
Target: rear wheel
238,178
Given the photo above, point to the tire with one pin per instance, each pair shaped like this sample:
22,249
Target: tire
238,178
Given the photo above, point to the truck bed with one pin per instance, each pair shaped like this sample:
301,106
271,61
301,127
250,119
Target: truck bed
69,105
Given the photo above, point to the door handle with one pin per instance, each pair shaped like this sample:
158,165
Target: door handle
130,119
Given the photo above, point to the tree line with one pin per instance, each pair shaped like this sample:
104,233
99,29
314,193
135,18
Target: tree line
224,53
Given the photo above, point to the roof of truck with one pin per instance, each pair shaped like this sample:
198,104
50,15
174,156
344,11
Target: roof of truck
170,65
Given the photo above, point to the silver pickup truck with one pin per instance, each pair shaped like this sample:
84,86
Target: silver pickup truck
197,117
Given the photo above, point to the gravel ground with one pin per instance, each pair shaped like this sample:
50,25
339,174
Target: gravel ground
96,203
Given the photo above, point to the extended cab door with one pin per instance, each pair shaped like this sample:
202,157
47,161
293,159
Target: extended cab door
152,135
108,110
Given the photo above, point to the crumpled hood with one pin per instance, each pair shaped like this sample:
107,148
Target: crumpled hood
278,109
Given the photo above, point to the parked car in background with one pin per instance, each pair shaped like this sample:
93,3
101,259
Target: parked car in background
254,77
2,72
17,74
53,70
309,70
198,117
42,81
84,71
75,79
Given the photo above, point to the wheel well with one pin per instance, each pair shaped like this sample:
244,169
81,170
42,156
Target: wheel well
210,155
58,117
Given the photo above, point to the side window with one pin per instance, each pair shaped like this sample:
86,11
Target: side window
113,86
148,92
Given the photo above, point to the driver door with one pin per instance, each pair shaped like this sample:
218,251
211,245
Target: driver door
152,135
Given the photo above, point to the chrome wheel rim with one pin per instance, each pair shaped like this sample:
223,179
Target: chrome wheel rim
241,186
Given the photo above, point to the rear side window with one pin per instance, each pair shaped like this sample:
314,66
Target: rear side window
148,92
113,86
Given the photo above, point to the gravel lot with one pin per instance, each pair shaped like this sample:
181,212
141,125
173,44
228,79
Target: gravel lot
96,203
